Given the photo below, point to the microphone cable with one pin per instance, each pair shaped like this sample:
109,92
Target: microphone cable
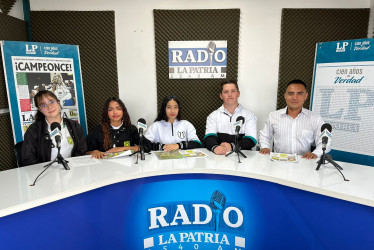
46,167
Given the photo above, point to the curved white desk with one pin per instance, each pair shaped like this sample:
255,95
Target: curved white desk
85,183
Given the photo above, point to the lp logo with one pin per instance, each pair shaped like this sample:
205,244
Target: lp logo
31,50
341,48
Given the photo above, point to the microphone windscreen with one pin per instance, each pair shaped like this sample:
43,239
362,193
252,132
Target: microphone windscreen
240,118
326,126
142,121
55,125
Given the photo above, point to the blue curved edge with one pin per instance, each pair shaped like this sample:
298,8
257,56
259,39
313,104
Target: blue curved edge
117,217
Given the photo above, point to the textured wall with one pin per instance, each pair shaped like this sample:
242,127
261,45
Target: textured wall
94,32
11,29
302,29
198,97
6,5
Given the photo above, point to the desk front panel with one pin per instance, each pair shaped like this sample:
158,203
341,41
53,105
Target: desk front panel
175,212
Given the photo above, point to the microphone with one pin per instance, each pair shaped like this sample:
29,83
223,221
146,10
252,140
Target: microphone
325,135
211,48
238,124
56,133
217,203
142,127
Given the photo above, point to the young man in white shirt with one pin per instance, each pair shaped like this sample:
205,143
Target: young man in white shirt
293,129
220,130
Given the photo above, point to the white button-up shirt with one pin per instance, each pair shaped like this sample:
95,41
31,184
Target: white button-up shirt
293,135
66,148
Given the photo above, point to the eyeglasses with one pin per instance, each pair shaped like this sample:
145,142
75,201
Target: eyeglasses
44,106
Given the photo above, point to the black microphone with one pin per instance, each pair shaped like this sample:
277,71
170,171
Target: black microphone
238,124
325,134
56,134
217,203
142,127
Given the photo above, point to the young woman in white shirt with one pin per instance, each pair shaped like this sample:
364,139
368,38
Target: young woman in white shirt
169,132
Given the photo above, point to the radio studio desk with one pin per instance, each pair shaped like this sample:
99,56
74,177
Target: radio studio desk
165,204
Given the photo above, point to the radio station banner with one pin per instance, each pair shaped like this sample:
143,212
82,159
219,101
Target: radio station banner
197,59
31,67
343,94
190,212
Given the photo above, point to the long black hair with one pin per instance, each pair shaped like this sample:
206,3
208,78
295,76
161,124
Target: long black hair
162,112
105,122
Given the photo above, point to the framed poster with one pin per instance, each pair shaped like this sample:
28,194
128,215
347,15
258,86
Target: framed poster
343,94
31,67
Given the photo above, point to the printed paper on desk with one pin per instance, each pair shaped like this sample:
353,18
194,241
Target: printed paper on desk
283,157
118,154
193,154
167,155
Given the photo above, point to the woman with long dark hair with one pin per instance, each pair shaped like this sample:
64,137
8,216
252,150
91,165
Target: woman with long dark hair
115,133
38,146
169,132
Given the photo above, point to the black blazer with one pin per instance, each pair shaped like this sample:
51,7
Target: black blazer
37,143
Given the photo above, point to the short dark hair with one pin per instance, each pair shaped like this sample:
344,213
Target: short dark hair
296,81
228,82
162,112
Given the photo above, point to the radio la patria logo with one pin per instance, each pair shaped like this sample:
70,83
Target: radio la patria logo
196,225
197,59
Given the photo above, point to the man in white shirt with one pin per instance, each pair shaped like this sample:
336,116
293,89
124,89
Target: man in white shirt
220,130
293,129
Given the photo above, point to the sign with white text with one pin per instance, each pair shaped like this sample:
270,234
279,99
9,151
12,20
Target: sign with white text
197,59
31,67
191,211
343,94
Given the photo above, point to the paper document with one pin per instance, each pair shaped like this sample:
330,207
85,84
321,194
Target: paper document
118,154
283,157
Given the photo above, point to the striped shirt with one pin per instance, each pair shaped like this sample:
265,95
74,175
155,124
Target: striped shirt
293,135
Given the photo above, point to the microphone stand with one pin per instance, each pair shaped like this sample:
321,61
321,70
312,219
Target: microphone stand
59,159
140,151
326,158
237,148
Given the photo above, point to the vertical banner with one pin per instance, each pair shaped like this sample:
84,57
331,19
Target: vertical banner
343,94
31,67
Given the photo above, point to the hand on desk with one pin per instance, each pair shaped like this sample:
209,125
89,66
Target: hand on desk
223,149
265,151
309,155
171,147
98,154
